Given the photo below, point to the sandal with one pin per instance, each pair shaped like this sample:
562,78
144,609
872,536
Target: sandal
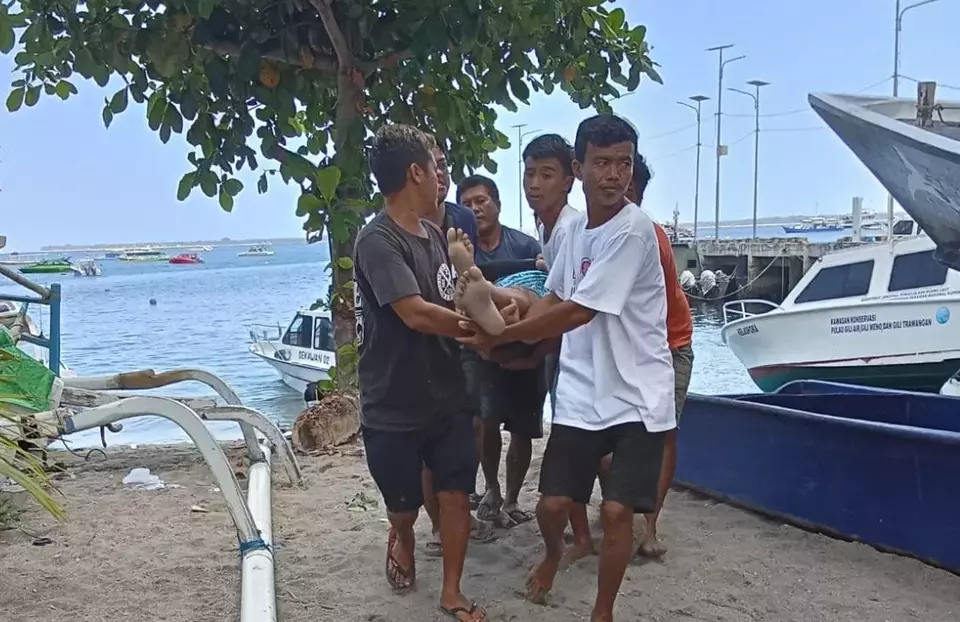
488,512
475,500
399,578
509,519
455,612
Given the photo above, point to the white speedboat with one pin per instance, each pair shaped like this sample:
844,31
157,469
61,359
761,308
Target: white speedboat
259,250
912,146
87,267
303,353
876,315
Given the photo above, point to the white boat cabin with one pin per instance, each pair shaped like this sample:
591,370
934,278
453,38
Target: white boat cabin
312,333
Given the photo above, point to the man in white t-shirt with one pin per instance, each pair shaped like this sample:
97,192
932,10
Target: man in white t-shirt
616,388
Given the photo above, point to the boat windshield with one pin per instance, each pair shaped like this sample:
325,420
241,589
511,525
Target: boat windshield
300,332
323,336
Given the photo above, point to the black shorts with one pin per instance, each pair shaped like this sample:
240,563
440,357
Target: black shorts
514,398
395,459
572,459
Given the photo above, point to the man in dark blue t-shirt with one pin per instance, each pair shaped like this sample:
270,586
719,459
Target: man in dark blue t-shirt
512,397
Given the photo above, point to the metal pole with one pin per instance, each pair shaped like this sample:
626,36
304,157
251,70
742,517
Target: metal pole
520,127
54,302
716,209
696,188
756,157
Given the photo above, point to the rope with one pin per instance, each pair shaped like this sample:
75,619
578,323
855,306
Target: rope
745,286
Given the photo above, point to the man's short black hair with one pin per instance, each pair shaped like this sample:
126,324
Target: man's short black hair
641,175
602,130
479,180
551,146
395,148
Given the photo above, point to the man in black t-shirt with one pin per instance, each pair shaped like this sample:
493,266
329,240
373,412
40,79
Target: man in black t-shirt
413,404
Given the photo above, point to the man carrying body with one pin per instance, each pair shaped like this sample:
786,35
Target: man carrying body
412,390
680,339
615,393
513,397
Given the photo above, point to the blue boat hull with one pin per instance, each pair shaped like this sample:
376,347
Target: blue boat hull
873,465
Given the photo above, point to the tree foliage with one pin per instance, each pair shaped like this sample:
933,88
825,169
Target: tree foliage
311,79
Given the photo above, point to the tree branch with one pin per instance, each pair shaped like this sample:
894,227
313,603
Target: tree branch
326,64
387,61
339,41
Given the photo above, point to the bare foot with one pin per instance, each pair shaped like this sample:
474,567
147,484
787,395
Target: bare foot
596,617
541,579
473,296
460,250
578,551
651,547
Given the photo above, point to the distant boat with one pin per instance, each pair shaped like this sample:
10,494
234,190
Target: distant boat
48,266
22,259
186,259
814,225
88,267
143,254
259,250
916,160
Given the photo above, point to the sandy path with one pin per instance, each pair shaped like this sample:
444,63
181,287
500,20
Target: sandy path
136,556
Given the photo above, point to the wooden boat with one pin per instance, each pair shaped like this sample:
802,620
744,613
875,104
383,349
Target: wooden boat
912,146
873,465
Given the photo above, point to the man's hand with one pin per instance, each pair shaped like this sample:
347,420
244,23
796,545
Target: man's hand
541,264
478,340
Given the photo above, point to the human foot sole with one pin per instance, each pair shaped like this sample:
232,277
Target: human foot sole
473,295
460,250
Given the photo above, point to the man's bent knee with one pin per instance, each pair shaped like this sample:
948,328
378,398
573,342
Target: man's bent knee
615,513
552,506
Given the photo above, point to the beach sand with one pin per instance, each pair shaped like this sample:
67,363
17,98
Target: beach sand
137,556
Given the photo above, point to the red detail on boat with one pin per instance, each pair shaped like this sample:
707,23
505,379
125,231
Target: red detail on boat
186,259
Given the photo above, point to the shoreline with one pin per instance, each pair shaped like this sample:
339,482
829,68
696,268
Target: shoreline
142,556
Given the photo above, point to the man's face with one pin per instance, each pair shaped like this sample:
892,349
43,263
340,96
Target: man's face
425,180
544,184
606,172
443,174
484,207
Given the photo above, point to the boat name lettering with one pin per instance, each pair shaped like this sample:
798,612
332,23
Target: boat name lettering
869,326
749,329
323,358
852,319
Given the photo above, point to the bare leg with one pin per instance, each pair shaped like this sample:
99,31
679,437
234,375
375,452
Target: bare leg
400,563
615,552
455,533
492,446
552,516
651,546
432,506
582,540
518,463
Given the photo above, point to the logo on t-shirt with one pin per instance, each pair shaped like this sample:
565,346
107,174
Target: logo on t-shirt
445,282
358,312
584,266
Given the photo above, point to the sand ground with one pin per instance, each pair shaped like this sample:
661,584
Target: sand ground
138,556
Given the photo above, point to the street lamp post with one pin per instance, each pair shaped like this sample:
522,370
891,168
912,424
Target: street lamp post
755,96
898,25
696,189
721,65
520,135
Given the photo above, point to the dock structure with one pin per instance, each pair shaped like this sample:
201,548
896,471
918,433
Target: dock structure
765,268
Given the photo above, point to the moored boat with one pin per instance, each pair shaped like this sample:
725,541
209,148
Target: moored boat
48,266
876,315
258,250
87,267
143,254
874,466
912,146
814,225
303,353
186,259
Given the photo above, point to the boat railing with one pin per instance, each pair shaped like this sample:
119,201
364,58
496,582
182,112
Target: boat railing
265,332
47,296
740,309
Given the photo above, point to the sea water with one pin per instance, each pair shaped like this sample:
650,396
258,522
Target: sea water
202,318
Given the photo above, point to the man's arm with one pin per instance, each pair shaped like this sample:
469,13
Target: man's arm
393,283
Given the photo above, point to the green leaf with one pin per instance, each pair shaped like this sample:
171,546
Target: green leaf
616,19
118,103
173,118
262,184
7,37
232,187
32,96
345,263
327,180
205,8
165,133
188,106
308,204
156,108
15,100
107,116
226,201
208,184
185,187
64,89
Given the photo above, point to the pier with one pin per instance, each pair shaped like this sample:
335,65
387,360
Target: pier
765,268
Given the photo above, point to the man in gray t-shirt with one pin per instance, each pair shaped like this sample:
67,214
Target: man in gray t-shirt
413,410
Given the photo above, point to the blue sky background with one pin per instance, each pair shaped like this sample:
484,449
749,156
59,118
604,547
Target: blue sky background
66,179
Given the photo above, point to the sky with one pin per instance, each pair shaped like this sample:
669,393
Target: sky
64,178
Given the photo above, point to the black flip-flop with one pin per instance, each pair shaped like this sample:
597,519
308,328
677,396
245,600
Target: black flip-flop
454,612
409,574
